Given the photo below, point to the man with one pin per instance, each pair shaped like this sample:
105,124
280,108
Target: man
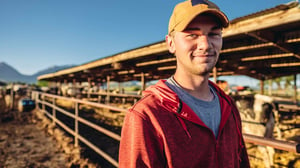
186,121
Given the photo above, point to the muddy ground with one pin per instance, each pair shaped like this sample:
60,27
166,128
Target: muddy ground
26,141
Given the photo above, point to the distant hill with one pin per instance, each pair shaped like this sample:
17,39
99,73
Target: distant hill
52,69
10,74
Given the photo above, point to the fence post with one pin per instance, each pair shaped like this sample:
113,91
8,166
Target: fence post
12,98
99,98
53,111
37,100
76,124
43,103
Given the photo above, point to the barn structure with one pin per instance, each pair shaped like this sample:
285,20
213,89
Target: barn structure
262,45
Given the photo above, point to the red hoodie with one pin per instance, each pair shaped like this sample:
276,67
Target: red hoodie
162,131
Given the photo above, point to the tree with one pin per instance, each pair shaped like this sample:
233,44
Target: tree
288,81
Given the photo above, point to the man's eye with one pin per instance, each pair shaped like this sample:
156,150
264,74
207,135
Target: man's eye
214,34
193,35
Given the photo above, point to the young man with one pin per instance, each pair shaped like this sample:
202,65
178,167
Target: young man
186,121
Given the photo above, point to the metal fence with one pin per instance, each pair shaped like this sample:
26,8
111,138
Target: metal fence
44,99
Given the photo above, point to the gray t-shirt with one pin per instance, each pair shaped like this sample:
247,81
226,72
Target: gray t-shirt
208,111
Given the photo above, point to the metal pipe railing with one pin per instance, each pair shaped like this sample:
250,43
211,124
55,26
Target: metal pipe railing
257,140
277,144
77,119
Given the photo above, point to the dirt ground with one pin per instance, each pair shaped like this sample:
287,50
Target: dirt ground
27,142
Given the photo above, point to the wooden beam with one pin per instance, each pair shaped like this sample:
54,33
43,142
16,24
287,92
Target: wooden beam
155,62
256,46
281,46
139,52
268,20
264,57
285,64
166,68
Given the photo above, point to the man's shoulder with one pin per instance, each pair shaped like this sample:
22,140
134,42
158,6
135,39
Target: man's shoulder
147,102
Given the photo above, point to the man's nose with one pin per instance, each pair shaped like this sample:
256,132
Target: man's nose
204,43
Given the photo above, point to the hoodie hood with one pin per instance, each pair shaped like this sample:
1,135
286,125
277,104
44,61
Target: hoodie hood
171,102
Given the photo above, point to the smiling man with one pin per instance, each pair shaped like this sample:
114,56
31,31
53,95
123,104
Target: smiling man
186,120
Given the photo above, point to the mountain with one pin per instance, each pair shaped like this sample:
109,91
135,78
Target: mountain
10,74
52,69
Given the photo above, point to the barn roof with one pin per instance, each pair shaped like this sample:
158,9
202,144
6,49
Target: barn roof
261,45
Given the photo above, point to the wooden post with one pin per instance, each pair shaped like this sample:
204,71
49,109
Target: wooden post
119,87
215,74
76,124
89,88
53,111
37,100
12,97
143,82
58,85
74,88
108,89
262,87
74,82
270,88
100,90
295,87
43,103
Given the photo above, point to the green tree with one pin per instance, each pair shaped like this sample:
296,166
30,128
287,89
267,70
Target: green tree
278,81
42,83
288,81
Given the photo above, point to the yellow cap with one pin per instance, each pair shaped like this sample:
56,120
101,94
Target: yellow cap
186,11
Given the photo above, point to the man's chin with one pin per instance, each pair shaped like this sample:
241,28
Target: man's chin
203,72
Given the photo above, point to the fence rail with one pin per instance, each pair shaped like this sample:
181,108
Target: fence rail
41,98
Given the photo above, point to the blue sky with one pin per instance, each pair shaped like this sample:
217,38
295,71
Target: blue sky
37,34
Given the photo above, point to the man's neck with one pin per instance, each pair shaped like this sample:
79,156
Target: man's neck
195,85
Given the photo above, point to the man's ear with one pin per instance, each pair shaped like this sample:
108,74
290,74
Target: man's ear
170,44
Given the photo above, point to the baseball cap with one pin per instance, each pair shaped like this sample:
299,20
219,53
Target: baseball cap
186,11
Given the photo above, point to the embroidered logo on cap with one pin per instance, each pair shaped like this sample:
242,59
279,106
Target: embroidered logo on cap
196,2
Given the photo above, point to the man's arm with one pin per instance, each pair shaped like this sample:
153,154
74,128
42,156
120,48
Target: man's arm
140,144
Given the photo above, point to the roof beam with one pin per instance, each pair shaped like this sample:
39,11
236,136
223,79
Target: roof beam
155,62
247,47
290,64
262,37
280,17
264,57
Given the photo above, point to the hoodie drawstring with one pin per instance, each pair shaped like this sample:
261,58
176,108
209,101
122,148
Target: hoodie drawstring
184,127
181,120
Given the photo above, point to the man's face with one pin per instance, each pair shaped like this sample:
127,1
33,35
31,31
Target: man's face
197,48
